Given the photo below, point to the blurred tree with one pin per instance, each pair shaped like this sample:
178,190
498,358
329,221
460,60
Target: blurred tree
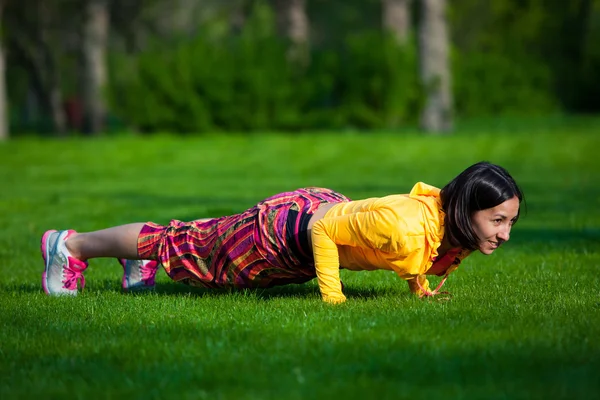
293,24
36,34
396,18
182,18
3,99
94,39
127,25
240,11
569,56
509,56
137,25
534,56
436,116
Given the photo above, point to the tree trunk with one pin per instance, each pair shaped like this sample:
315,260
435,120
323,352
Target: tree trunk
292,23
47,67
94,75
434,67
396,18
3,99
55,101
32,34
39,62
239,16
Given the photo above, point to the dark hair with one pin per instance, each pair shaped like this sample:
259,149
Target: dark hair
479,187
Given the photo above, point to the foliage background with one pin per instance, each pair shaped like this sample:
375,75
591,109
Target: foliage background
509,58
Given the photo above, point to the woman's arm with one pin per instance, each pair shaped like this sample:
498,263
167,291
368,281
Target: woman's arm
377,229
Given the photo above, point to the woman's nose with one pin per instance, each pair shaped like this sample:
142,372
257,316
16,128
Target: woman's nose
504,234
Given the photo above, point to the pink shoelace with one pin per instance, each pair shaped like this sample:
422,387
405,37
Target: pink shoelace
74,274
149,272
427,293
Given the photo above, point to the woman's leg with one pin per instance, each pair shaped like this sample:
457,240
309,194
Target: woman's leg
119,242
66,253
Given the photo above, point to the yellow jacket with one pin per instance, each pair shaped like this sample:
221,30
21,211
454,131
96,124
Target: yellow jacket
397,232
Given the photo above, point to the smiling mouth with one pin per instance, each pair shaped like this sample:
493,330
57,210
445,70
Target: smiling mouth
495,245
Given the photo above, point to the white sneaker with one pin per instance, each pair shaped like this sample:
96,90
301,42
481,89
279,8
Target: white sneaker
138,274
62,272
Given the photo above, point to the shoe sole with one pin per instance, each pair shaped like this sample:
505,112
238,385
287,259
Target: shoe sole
45,256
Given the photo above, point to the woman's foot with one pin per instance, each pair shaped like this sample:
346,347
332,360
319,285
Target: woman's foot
63,273
138,274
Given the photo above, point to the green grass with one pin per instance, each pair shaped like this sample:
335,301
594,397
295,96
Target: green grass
523,323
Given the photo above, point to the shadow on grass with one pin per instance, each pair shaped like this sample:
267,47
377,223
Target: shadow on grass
287,291
178,289
30,287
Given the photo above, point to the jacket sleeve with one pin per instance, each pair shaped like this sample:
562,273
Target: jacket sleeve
376,229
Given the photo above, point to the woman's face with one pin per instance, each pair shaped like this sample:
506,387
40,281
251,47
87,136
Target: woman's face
492,225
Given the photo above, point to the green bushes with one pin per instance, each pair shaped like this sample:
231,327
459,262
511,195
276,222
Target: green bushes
492,83
510,57
377,83
245,82
200,86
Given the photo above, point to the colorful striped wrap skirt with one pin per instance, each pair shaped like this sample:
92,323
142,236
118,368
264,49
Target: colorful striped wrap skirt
264,246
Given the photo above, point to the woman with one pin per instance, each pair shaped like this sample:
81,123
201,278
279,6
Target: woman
296,236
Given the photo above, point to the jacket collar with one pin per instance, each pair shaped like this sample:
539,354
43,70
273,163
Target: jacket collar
434,215
434,220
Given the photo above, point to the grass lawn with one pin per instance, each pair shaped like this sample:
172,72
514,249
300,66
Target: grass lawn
523,323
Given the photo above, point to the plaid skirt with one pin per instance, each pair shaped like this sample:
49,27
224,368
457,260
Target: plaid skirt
252,249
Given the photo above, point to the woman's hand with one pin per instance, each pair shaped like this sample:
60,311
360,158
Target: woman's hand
334,299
